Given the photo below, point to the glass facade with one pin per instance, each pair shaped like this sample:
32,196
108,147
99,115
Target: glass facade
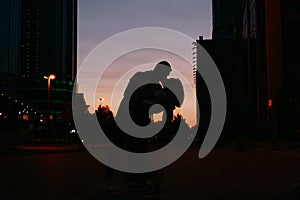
226,19
48,46
49,39
249,19
9,38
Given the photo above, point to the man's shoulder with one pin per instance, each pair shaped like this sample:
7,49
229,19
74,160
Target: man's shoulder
141,75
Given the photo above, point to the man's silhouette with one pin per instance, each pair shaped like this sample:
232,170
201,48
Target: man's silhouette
143,91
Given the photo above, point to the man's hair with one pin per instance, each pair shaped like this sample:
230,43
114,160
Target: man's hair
162,65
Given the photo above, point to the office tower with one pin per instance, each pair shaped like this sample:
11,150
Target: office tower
48,46
226,18
49,39
258,64
9,40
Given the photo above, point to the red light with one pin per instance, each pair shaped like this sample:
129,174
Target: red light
270,103
25,117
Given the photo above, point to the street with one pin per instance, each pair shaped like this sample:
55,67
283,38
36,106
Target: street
256,173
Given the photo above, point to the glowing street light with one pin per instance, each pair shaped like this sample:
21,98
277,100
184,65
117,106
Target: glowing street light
49,78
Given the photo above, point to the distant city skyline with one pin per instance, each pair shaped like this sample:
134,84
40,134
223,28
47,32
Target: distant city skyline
98,20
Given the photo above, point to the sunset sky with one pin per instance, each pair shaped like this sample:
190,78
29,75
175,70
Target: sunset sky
99,20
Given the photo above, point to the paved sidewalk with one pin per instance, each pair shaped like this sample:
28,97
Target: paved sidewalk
38,149
256,173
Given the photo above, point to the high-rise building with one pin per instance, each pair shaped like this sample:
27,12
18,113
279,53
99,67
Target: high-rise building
48,46
230,56
226,19
263,72
49,39
9,39
272,28
290,17
262,28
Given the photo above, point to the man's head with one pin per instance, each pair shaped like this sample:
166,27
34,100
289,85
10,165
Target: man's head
163,69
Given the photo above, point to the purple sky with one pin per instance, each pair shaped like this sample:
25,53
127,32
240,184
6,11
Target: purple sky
99,19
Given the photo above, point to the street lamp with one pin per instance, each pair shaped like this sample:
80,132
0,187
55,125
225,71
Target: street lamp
49,78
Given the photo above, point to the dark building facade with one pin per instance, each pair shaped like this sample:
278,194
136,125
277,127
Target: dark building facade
37,38
272,29
48,46
49,39
252,47
10,27
230,56
290,16
226,19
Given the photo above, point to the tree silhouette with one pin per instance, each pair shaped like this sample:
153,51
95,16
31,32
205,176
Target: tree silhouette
106,120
